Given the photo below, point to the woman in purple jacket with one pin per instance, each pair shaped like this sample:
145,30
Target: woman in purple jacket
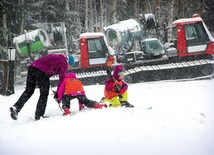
39,72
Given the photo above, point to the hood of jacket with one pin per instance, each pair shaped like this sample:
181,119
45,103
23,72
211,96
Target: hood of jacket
118,69
71,75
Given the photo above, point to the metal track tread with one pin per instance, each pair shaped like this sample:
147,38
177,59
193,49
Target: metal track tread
169,66
146,73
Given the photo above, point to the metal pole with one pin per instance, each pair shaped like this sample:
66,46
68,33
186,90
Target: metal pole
64,33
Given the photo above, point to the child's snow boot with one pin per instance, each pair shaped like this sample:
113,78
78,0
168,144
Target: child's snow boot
126,104
81,106
99,106
13,113
66,112
102,100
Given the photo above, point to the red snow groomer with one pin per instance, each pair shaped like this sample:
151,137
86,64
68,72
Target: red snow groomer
188,52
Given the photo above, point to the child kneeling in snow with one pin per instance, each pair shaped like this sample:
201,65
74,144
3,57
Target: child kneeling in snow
116,89
72,88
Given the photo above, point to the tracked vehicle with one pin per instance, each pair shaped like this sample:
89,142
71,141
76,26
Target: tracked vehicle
187,54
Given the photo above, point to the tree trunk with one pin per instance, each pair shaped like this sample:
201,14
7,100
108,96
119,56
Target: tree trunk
77,11
86,15
170,17
136,8
95,15
22,16
113,11
91,16
67,8
101,15
4,23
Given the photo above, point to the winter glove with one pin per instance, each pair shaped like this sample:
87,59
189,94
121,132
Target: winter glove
55,95
120,96
117,88
56,98
58,101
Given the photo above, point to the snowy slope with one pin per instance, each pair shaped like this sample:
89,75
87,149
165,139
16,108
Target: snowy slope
180,122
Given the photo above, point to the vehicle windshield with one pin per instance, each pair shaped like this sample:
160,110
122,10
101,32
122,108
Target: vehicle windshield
97,48
152,46
196,34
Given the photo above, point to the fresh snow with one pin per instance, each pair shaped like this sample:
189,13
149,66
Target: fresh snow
181,122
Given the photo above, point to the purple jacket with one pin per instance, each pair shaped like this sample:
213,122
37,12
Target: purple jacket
52,64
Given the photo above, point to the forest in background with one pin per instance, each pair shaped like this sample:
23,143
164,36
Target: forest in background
92,15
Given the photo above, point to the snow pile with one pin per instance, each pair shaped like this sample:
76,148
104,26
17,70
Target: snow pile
179,123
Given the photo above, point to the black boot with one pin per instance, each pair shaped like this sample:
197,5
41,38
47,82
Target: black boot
38,117
14,113
126,104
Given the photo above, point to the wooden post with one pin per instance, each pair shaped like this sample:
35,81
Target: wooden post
5,76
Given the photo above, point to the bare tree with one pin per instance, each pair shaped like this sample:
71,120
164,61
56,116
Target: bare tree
95,15
186,8
4,22
86,15
101,14
136,8
91,21
112,7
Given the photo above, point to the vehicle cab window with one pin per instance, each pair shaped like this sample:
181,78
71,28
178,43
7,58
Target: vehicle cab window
97,51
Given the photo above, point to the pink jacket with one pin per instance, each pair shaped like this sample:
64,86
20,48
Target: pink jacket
61,90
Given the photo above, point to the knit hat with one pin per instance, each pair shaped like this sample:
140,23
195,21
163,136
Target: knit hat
118,70
71,75
71,60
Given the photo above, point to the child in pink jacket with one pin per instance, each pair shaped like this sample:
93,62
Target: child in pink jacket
72,88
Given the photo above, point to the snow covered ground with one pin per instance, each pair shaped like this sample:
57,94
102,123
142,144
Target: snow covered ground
181,122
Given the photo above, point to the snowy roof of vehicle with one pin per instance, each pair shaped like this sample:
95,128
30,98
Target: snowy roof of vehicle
131,24
187,20
149,15
150,39
91,34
